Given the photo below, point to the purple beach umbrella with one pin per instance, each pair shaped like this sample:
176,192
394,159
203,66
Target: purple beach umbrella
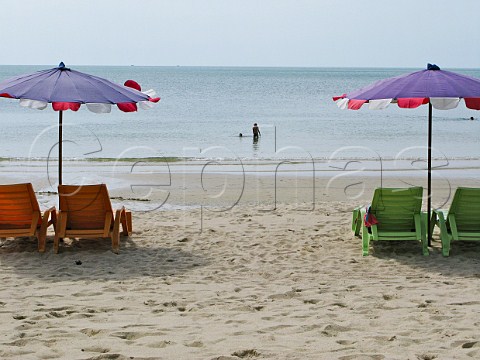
67,89
440,89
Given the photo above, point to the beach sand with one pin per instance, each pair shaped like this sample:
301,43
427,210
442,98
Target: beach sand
249,270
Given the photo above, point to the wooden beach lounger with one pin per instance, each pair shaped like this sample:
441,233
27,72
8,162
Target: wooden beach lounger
20,214
399,216
86,212
461,221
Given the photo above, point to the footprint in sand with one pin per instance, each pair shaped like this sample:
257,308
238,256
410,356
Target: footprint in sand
470,344
161,344
150,302
129,335
311,301
466,345
235,322
362,357
97,349
427,356
346,342
55,314
274,328
246,353
87,294
334,330
82,316
132,335
92,332
287,295
196,344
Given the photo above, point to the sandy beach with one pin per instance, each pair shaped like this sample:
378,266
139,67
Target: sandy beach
239,265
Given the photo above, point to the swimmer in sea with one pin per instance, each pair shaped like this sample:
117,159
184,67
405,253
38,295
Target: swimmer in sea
256,131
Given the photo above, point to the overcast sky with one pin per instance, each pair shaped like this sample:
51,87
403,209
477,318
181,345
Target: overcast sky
311,33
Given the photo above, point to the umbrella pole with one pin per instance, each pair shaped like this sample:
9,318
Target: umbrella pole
60,142
429,184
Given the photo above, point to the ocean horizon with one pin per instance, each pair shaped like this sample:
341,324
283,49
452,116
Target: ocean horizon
204,109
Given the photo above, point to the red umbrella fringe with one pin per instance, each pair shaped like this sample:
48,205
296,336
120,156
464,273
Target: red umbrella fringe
408,103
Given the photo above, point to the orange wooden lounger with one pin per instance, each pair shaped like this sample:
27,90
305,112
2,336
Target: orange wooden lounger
20,214
86,212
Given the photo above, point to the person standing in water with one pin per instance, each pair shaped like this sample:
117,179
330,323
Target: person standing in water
256,131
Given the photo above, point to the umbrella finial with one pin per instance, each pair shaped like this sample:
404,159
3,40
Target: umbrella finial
432,67
62,67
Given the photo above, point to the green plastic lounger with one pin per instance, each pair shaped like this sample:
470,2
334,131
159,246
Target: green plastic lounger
399,215
461,221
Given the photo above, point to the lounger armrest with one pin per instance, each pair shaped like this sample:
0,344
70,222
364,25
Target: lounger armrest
50,210
440,211
50,215
47,218
439,216
125,220
119,213
356,220
46,222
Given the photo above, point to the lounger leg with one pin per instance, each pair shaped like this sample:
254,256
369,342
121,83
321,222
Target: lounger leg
365,234
116,242
127,223
446,240
445,237
446,248
59,230
42,242
365,243
42,235
115,233
56,240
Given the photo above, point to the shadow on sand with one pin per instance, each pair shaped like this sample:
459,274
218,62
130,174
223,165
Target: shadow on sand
92,259
464,259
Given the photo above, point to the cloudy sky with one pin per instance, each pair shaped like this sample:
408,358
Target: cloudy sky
310,33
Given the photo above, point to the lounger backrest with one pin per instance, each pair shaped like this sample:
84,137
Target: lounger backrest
395,208
86,206
18,205
466,208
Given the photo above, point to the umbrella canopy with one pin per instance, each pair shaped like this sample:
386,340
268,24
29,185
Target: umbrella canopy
67,89
438,88
443,89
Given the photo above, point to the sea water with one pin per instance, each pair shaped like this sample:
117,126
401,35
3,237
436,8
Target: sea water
204,109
